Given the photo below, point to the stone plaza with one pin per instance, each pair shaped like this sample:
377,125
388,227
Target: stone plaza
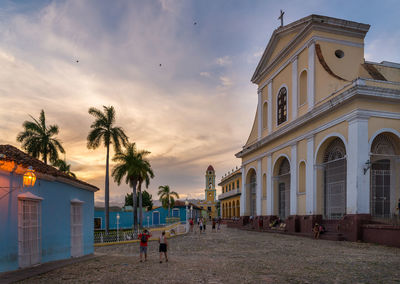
236,256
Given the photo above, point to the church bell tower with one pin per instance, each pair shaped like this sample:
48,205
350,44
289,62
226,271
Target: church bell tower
210,191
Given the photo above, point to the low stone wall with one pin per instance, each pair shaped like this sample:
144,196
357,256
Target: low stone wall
352,227
382,234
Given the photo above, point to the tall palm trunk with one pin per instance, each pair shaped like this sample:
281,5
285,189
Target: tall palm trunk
169,206
107,192
134,199
140,206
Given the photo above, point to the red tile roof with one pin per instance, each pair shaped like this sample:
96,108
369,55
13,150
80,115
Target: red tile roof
11,153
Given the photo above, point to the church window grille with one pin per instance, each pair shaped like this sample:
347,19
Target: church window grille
383,158
282,106
283,180
334,164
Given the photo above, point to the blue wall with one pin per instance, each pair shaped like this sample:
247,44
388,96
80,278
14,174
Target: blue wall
55,219
126,218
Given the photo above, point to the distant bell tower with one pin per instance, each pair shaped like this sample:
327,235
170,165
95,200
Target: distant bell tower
210,191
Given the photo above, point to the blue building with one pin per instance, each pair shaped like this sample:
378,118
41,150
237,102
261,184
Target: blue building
51,220
153,218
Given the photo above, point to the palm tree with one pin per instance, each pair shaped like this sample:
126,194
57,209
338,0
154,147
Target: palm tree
104,131
144,176
131,165
37,139
167,197
64,167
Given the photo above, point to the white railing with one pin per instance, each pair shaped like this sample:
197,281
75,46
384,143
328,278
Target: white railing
229,193
114,236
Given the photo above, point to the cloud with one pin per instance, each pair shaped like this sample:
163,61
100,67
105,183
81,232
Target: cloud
223,61
205,74
226,81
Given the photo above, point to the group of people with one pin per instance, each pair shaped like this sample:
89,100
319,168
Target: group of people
144,239
202,225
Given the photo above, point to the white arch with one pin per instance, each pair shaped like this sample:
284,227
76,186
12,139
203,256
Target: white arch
247,172
333,134
380,131
280,156
287,103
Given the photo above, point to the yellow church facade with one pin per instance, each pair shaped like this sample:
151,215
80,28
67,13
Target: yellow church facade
325,143
230,197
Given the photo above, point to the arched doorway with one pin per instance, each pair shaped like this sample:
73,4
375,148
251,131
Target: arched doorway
384,162
237,208
334,165
251,184
282,187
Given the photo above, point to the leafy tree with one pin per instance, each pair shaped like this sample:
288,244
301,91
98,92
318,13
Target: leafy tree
37,139
64,167
167,197
130,164
145,174
104,131
146,197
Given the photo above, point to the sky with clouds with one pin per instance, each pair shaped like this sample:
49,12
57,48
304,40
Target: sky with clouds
177,71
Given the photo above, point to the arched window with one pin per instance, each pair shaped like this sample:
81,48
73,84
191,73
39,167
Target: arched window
383,172
302,177
335,179
265,115
282,106
303,88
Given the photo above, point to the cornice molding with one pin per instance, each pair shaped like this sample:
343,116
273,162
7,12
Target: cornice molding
355,90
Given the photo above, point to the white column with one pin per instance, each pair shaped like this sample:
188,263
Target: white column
243,203
269,107
259,113
311,76
310,178
270,197
294,88
293,180
358,183
258,188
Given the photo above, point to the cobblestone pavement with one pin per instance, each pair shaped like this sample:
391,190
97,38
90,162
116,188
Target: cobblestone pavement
235,256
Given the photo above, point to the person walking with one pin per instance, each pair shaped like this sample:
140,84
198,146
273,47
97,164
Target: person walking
219,224
204,225
201,225
144,238
213,225
162,240
191,225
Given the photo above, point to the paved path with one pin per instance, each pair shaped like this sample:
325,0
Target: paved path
235,256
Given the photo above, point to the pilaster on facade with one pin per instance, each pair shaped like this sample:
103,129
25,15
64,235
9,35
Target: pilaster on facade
243,203
358,183
293,179
270,197
311,193
269,122
311,76
258,188
294,88
259,114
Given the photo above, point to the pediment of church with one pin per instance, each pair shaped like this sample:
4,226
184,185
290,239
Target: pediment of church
287,38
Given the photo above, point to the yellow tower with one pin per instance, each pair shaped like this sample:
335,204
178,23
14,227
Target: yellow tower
210,191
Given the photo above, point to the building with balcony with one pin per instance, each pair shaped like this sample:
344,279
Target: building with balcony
230,196
325,143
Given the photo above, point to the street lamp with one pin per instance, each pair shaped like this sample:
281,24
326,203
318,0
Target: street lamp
187,215
29,178
118,227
